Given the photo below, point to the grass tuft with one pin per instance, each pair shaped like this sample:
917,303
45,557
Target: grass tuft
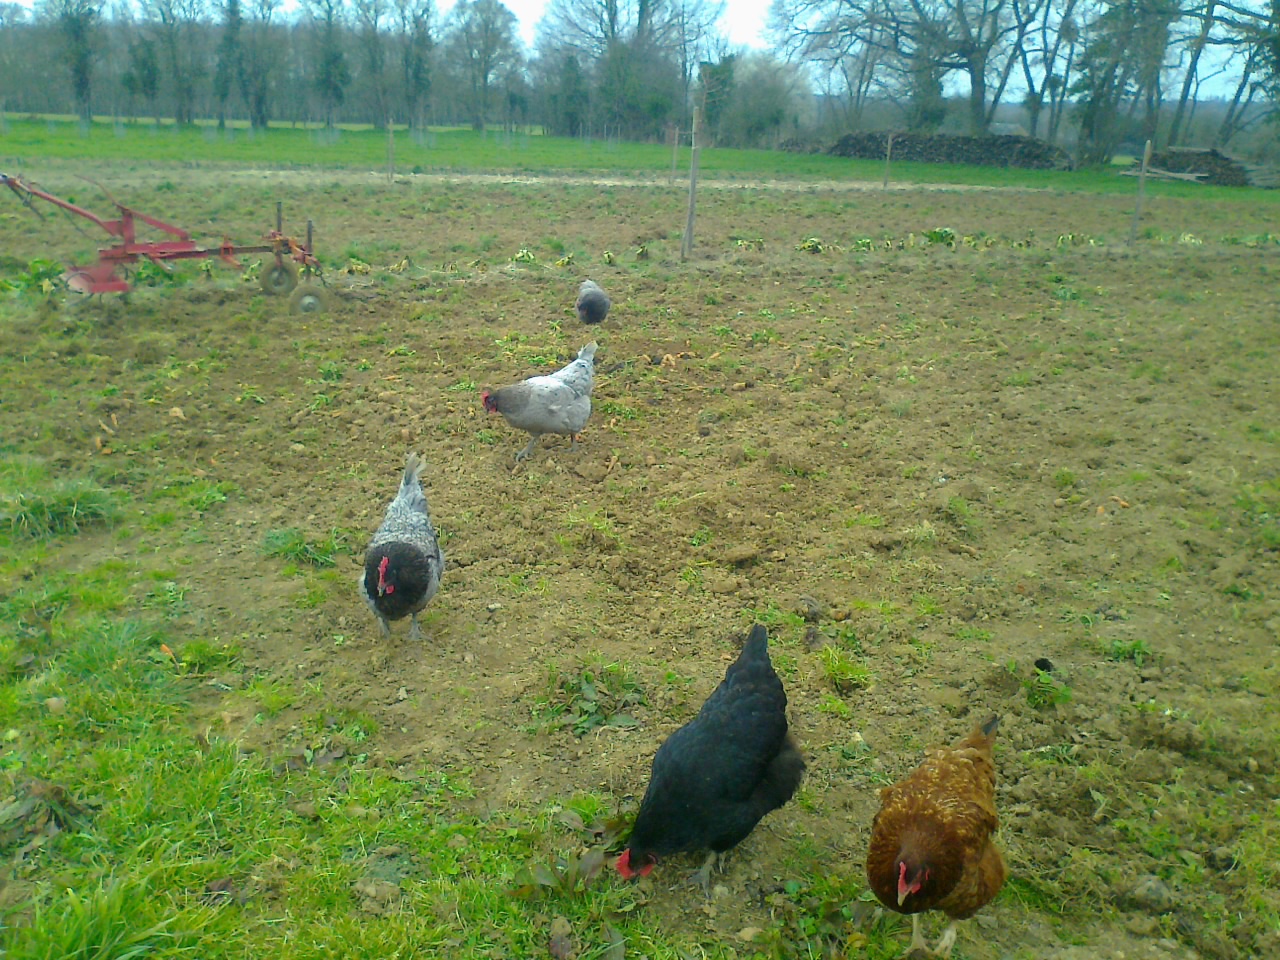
37,506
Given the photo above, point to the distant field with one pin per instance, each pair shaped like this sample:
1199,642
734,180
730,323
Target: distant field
26,144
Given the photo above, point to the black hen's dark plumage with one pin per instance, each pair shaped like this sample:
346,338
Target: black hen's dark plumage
718,775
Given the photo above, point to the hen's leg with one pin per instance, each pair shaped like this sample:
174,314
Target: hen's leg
384,626
943,949
918,947
527,451
702,876
415,632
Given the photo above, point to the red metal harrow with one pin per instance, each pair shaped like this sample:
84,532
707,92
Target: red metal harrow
106,276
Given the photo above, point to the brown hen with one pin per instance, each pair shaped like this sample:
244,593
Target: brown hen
931,843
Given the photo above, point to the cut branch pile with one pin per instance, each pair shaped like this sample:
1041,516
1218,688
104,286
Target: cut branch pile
1002,150
1208,166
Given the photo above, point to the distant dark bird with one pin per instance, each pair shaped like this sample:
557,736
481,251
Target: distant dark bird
593,303
557,402
718,775
404,562
931,843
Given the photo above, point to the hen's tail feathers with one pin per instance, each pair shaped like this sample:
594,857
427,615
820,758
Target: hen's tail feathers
412,470
588,352
989,728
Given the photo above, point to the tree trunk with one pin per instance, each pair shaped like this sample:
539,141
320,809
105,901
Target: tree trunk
1197,48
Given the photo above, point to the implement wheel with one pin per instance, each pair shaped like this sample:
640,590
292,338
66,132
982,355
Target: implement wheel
309,298
279,278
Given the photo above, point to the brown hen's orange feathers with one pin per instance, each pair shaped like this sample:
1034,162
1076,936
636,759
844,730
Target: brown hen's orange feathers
931,843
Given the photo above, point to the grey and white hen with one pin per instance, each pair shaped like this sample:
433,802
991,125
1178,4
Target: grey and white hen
403,562
593,303
557,402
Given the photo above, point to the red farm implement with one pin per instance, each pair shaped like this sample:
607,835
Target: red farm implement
109,273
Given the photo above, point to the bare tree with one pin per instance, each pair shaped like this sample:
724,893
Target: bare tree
332,75
371,19
229,66
175,26
483,39
413,21
258,58
78,22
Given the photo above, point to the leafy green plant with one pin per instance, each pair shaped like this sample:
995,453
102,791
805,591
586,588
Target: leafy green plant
598,693
1044,690
1135,650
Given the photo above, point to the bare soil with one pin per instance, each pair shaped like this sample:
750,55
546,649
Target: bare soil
1039,446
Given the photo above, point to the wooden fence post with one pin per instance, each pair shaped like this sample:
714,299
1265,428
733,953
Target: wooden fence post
686,242
1142,191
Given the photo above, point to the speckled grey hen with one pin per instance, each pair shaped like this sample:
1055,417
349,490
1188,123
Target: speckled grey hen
558,402
593,303
403,562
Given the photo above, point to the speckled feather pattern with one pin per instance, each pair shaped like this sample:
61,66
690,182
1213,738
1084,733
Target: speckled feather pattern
408,519
406,525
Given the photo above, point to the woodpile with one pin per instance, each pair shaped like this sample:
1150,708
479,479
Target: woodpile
1206,166
1003,150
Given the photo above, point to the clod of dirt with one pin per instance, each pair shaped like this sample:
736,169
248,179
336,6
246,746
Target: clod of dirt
741,554
561,939
1151,894
810,609
1221,858
377,896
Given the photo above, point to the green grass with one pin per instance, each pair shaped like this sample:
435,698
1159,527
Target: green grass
36,505
449,150
292,544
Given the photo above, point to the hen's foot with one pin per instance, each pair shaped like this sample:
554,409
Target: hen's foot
415,631
702,876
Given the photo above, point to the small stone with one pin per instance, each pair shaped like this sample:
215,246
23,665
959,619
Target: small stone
402,694
55,704
741,553
1251,765
457,841
297,448
494,607
723,585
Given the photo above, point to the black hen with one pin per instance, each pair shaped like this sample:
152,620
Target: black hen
403,563
719,774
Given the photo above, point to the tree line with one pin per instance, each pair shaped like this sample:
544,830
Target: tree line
1092,72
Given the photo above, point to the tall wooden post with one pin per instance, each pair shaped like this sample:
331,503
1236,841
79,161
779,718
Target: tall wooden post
888,155
391,151
1142,192
675,151
686,242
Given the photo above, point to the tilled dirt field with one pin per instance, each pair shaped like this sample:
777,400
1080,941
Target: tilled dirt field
928,462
